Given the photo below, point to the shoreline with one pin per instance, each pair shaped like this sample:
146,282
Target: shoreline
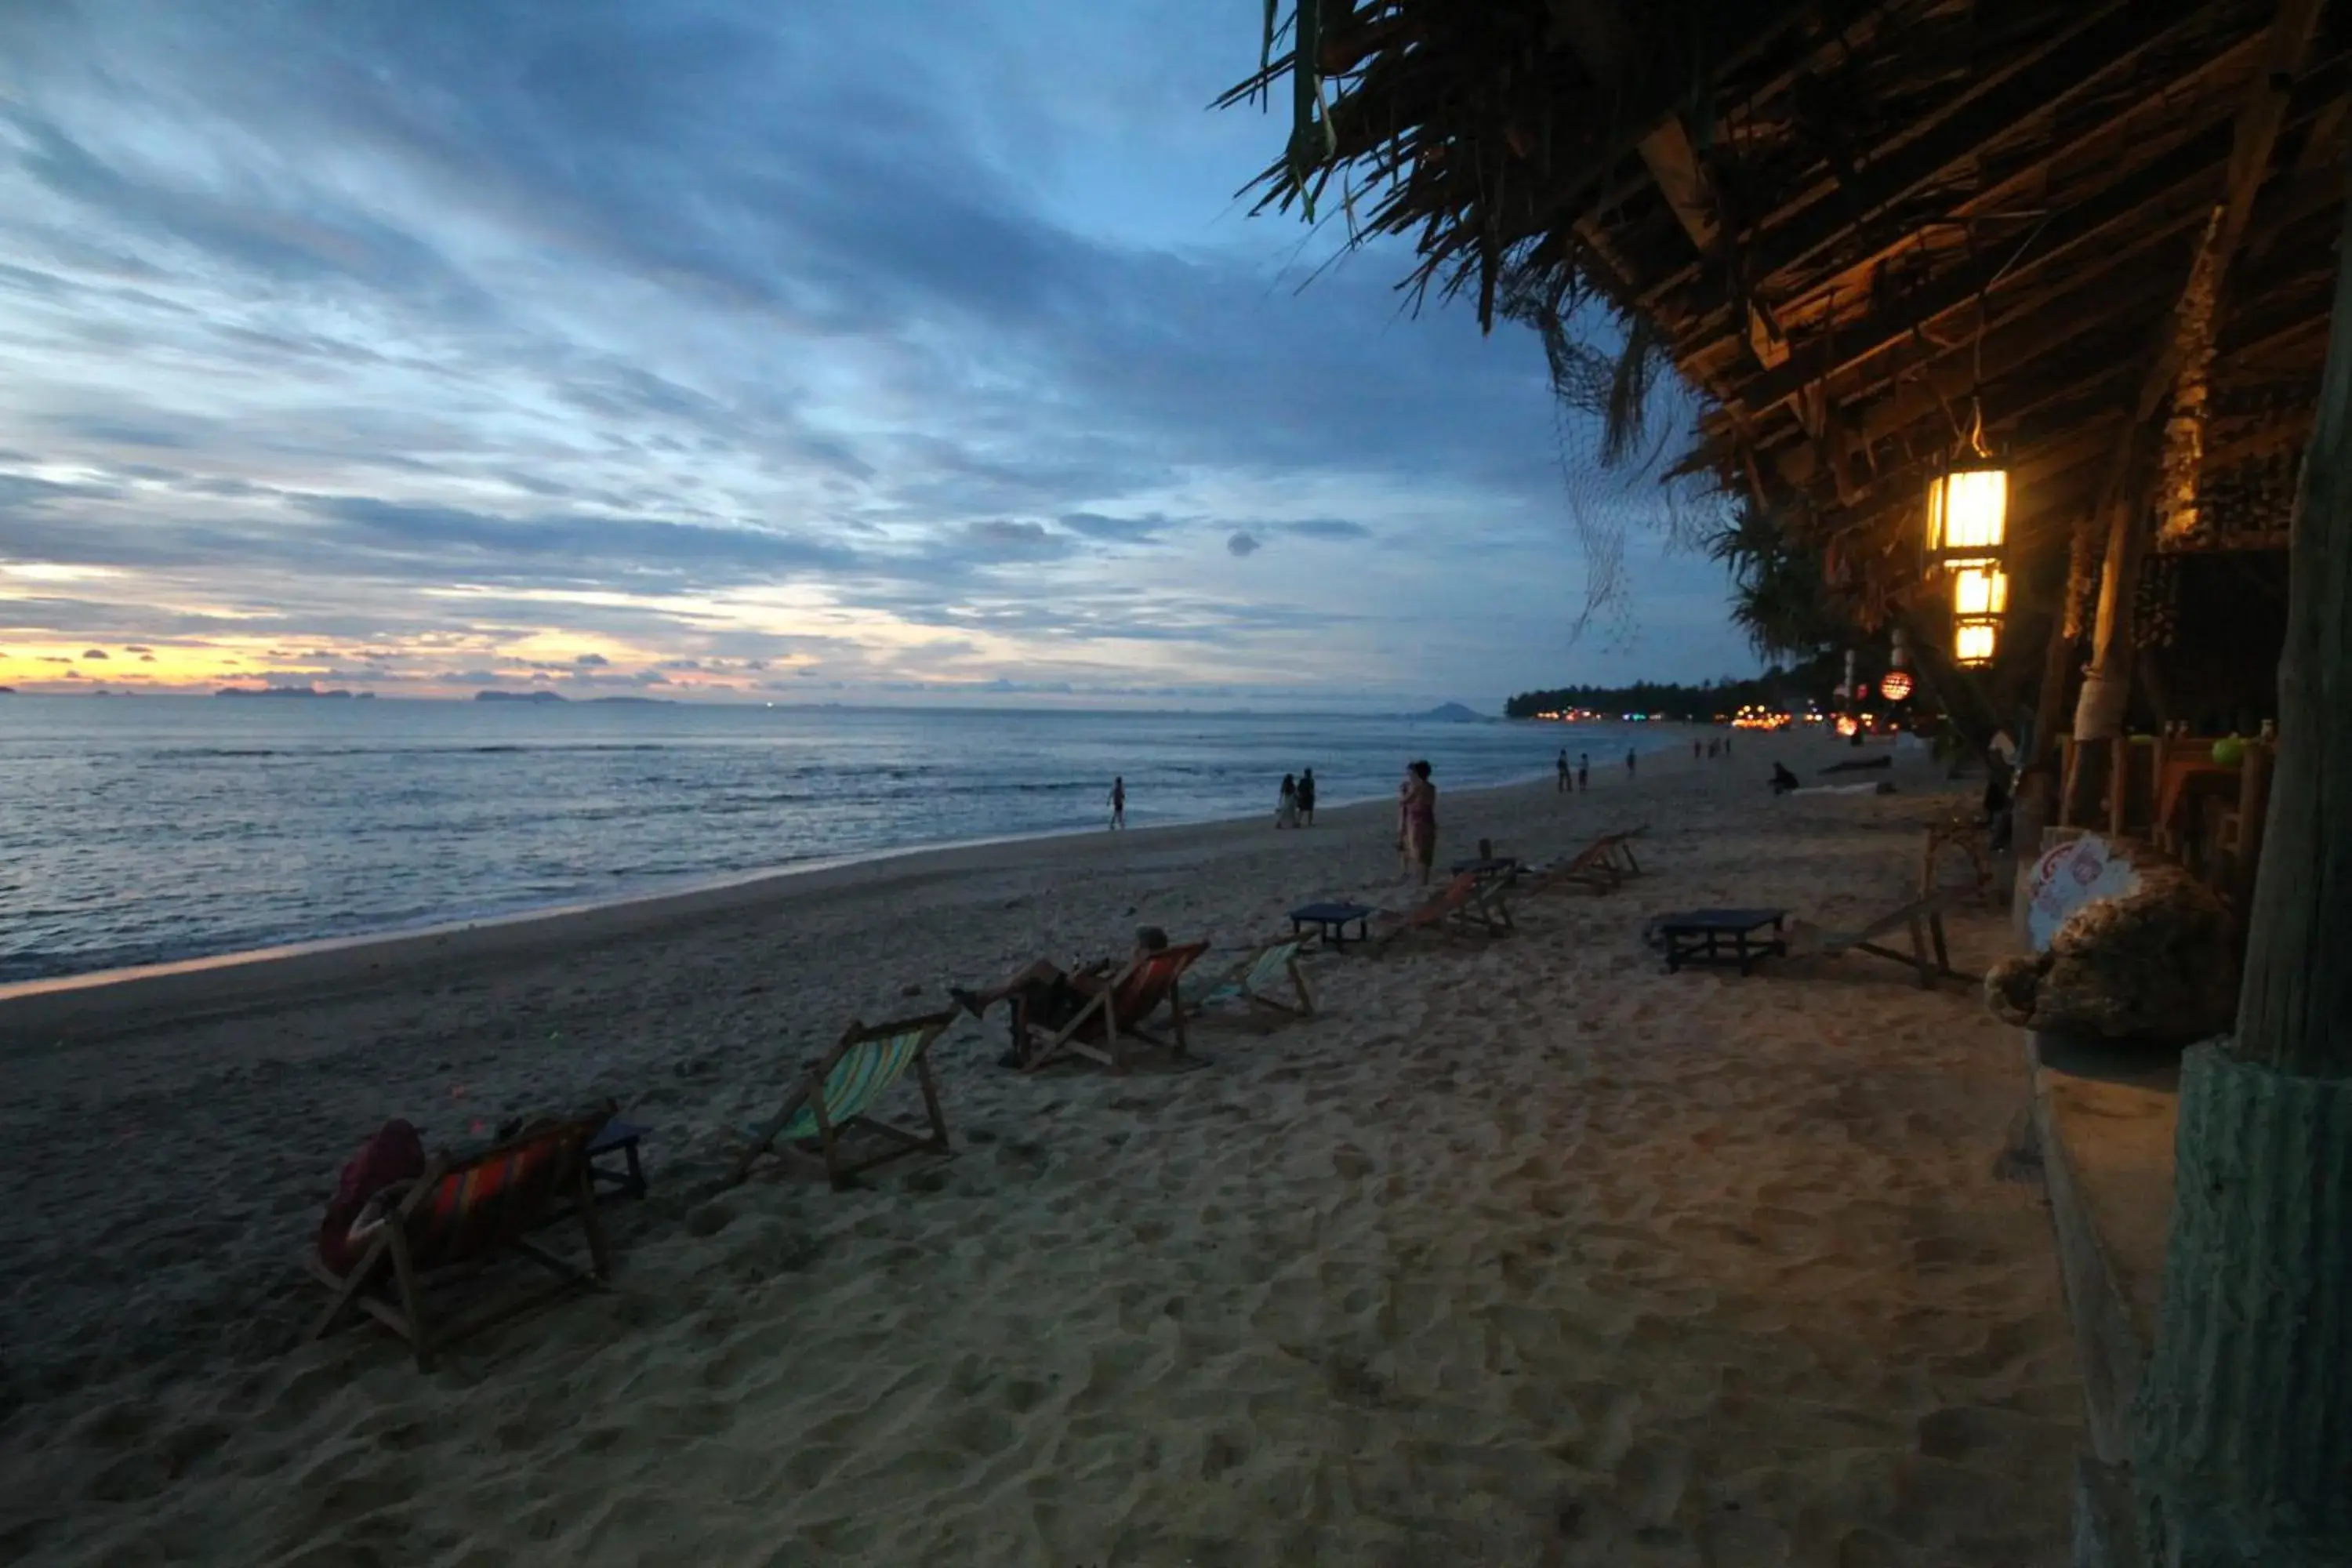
128,996
305,963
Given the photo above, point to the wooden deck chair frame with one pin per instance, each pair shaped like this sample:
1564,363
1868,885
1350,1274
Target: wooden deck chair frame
1238,982
1929,959
1603,866
1045,1047
829,1140
1464,903
390,1253
1971,839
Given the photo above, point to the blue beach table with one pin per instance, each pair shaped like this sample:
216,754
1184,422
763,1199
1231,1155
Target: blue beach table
1721,936
1333,919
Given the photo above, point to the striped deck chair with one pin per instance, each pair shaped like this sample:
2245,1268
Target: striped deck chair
1466,903
1603,866
1257,977
463,1214
840,1092
1930,958
1116,1013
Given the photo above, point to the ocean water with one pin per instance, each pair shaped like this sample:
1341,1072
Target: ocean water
137,830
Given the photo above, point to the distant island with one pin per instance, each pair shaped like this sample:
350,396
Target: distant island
284,691
1453,713
520,697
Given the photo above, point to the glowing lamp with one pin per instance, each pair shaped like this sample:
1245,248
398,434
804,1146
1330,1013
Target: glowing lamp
1979,592
1896,685
1973,642
1846,724
1967,515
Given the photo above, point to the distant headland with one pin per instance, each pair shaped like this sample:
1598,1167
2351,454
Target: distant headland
1453,713
544,695
311,691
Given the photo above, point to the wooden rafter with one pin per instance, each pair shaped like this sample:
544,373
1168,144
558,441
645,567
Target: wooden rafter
2098,43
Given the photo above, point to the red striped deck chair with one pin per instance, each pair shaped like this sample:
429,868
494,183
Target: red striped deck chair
463,1215
1116,1014
1467,902
839,1094
1603,866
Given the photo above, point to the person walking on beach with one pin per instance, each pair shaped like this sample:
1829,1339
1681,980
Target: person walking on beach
1306,798
1285,810
1417,821
1694,750
1629,762
1563,770
1118,801
1585,770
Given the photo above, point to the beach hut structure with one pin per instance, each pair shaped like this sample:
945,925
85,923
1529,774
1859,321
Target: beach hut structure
2022,320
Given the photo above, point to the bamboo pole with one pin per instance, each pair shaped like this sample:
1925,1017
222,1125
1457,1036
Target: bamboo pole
2243,1440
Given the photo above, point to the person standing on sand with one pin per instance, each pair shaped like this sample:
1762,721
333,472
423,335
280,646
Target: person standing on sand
1563,770
1629,762
1118,801
1694,751
1306,798
1285,810
1417,821
1585,770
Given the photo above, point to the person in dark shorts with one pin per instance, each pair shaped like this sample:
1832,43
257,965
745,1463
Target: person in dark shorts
1306,798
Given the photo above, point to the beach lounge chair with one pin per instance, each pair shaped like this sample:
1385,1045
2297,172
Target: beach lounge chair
1256,979
1929,959
1467,902
1117,1012
1603,866
839,1094
464,1214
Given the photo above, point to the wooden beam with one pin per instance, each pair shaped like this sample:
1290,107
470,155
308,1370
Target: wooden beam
2102,140
2065,232
1606,48
2090,46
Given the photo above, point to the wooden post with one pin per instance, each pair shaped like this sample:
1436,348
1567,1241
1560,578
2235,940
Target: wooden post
2242,1449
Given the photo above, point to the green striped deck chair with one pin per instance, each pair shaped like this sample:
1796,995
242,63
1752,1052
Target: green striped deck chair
464,1214
1256,978
841,1091
1116,1014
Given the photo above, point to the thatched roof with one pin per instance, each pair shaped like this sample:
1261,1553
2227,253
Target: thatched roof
1850,222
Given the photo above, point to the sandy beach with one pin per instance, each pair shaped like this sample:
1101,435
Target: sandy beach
1523,1251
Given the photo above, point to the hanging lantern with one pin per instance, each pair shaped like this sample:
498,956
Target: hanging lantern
1979,604
1896,685
1968,514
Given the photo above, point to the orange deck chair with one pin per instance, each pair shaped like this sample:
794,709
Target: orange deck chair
1117,1013
463,1215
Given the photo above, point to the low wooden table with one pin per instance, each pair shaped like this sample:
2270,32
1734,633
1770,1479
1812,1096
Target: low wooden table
1333,919
1722,936
1504,868
619,1137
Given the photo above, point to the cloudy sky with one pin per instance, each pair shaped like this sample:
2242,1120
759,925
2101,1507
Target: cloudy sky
817,351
